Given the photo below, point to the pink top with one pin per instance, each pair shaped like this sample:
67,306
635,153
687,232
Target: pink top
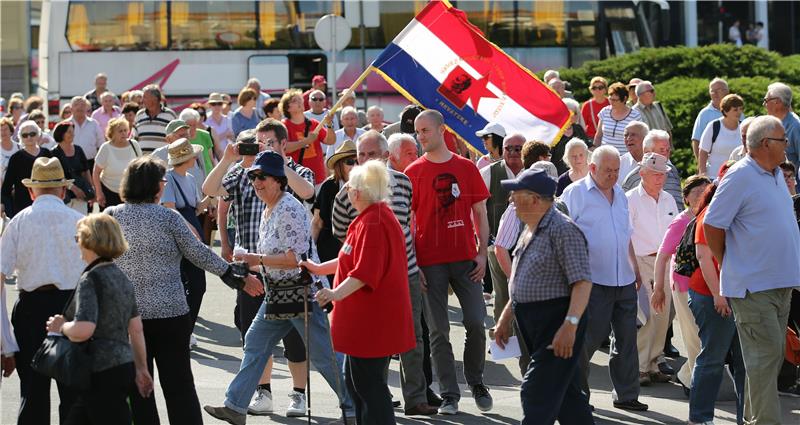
670,244
103,118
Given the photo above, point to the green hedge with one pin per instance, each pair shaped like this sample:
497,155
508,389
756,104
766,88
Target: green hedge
681,76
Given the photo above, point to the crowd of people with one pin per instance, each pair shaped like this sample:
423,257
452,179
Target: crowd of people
592,240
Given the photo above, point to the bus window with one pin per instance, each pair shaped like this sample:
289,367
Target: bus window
211,25
135,25
290,24
394,16
495,19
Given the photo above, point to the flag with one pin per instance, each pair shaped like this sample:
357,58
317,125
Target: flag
441,61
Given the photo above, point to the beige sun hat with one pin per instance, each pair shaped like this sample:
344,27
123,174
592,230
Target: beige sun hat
47,172
348,148
215,98
182,150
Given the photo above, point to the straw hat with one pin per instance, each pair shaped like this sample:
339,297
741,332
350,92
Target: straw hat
47,172
215,98
348,148
182,150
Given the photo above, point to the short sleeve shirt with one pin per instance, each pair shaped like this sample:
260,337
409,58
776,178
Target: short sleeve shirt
203,138
669,245
314,155
114,161
287,227
442,201
697,282
188,189
613,128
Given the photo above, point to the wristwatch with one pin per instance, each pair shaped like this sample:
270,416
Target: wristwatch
573,320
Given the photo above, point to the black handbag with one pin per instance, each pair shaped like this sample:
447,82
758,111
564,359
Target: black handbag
65,361
285,297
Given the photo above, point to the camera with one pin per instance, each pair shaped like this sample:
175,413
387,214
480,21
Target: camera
248,149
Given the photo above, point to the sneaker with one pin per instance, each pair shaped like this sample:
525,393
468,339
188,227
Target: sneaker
223,413
482,397
449,406
631,405
297,404
192,341
262,404
793,391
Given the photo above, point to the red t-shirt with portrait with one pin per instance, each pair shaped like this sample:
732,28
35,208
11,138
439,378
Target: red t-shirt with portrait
314,156
697,282
442,199
375,320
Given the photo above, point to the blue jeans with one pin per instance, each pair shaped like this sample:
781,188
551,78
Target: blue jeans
717,337
260,340
551,388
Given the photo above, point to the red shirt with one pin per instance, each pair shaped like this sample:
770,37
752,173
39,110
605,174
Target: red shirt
442,199
591,119
375,320
697,283
314,157
451,141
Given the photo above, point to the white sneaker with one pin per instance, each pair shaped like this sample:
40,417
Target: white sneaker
262,404
192,341
297,404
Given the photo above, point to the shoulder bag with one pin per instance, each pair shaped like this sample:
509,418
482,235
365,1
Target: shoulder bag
285,297
305,134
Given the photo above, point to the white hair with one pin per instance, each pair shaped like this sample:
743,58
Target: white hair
371,179
347,93
573,143
32,124
253,81
572,105
373,134
718,80
550,74
760,128
513,136
651,138
396,141
643,126
349,110
642,87
375,108
106,94
79,99
782,92
602,152
189,114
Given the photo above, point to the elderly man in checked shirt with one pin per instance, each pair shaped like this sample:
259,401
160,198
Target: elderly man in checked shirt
549,287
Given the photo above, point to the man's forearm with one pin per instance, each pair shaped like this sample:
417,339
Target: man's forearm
579,297
715,238
299,185
481,226
212,186
695,147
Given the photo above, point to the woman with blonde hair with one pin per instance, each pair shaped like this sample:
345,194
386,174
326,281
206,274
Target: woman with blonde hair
111,160
103,312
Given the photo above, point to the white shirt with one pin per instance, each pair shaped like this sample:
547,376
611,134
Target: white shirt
626,165
486,174
340,138
737,154
39,244
5,156
721,150
8,344
649,219
320,116
88,136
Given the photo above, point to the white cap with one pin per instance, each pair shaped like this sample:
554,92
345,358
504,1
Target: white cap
492,128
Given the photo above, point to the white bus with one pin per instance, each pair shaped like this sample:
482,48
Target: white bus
192,48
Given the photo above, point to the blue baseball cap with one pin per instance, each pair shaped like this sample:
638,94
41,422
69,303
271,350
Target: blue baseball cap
269,163
534,180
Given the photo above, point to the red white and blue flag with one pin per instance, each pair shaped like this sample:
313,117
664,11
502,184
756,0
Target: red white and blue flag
443,62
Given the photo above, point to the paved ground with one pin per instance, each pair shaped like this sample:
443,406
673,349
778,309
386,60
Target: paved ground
217,358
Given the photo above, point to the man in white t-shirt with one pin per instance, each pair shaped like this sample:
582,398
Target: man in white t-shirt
349,130
634,137
318,102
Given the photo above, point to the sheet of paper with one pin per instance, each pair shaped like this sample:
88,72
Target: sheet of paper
510,351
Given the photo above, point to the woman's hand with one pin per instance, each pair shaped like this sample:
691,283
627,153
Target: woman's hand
101,198
324,296
249,259
80,194
311,266
253,286
55,323
657,300
144,382
721,306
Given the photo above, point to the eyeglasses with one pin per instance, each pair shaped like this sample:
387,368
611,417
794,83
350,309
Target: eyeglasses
215,104
649,91
317,99
513,148
31,134
788,176
256,176
784,139
614,99
767,100
77,238
350,161
163,179
598,87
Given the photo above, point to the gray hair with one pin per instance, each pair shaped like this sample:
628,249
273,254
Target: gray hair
601,152
253,81
760,128
347,93
246,136
744,125
396,141
372,180
106,94
80,99
189,114
641,125
643,86
153,90
652,136
551,73
348,110
782,92
547,166
375,108
572,105
513,136
313,92
572,144
718,80
372,134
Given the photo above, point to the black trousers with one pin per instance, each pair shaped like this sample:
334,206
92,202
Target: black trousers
112,198
426,352
194,285
167,345
106,403
366,381
29,318
294,349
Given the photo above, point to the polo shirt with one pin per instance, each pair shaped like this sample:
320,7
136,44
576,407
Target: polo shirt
705,116
762,240
151,130
626,165
607,228
791,124
649,219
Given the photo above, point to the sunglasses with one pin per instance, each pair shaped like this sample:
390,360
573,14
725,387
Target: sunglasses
317,99
349,161
513,148
215,104
31,134
256,176
598,87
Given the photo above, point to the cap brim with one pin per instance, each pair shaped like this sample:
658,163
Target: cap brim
336,157
481,133
196,150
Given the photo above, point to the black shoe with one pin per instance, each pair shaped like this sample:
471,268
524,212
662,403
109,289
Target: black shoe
666,369
395,403
792,391
686,390
433,399
634,405
671,352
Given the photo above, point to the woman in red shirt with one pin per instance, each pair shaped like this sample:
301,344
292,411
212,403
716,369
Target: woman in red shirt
305,140
714,318
372,314
592,107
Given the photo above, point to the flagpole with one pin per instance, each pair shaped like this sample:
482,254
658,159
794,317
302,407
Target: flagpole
352,89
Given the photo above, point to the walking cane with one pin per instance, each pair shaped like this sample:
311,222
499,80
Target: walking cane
308,354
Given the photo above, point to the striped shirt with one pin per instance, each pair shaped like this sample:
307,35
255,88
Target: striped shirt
151,131
343,213
613,129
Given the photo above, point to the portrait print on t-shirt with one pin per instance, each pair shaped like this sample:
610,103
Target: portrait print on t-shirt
447,192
